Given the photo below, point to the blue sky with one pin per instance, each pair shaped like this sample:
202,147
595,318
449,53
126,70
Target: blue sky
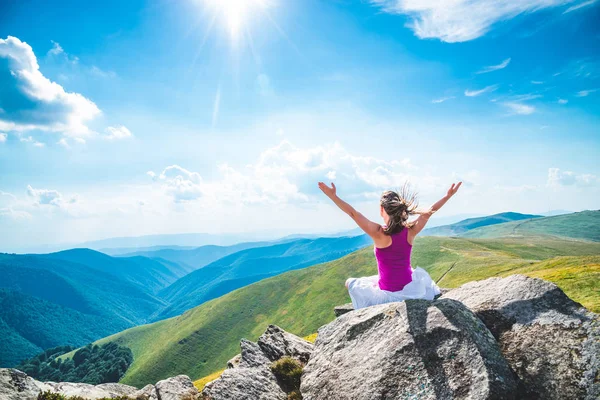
141,117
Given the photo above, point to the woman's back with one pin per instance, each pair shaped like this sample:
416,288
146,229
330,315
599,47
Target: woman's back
393,263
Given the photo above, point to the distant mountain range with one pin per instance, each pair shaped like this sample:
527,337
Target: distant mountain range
473,223
251,265
54,300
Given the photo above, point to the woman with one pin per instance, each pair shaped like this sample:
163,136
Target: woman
397,280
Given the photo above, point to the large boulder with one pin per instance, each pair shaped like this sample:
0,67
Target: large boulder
276,343
413,349
550,341
17,385
179,387
249,375
91,392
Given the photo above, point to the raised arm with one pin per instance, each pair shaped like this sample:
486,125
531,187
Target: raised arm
373,229
422,220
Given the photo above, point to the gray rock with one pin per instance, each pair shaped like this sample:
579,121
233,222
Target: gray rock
343,309
16,385
252,355
234,362
148,392
413,349
249,377
550,341
179,387
244,384
276,343
91,392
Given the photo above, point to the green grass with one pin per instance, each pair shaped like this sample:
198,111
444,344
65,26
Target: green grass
200,341
200,383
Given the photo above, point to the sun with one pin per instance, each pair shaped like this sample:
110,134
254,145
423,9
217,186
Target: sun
237,13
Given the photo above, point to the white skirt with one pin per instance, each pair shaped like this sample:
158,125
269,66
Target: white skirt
365,291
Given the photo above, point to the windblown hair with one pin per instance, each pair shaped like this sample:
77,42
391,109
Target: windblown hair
399,206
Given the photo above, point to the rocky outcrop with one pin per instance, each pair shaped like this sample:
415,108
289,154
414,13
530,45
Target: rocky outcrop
343,309
550,341
249,375
501,338
16,385
88,391
414,349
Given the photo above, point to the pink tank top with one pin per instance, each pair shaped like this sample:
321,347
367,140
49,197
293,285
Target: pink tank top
393,263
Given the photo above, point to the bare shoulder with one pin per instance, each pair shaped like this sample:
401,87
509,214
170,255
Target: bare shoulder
412,233
380,239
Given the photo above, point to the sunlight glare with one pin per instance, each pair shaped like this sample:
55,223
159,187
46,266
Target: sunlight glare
236,13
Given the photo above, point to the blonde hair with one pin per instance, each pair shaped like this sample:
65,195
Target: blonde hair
399,206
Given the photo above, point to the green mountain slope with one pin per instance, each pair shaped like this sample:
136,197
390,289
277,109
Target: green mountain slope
202,339
28,325
143,272
251,265
104,294
56,302
581,225
473,223
197,257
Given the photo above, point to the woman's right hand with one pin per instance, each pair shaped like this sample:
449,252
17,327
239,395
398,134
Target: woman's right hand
329,191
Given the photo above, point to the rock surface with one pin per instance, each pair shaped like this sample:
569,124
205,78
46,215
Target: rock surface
16,385
343,309
550,341
88,391
249,376
176,388
414,349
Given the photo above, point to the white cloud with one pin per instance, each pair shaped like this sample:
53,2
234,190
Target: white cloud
537,82
56,49
286,173
31,140
3,137
563,101
493,68
63,142
31,101
519,108
557,178
580,5
442,99
487,89
178,182
100,73
460,20
585,93
118,133
45,196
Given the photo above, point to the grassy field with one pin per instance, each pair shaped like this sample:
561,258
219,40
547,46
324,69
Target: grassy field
200,341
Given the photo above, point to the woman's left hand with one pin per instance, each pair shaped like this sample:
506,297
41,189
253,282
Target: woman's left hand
453,189
329,191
